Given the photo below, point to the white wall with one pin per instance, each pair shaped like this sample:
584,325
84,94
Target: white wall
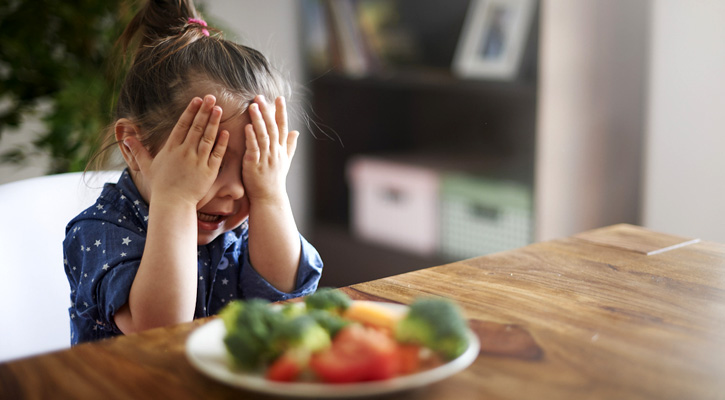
685,156
593,58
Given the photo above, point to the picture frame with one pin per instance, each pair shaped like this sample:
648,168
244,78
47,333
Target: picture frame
493,39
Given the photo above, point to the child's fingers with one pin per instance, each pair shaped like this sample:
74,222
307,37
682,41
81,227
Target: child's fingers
209,137
292,143
220,148
252,153
201,120
260,127
280,116
178,133
268,114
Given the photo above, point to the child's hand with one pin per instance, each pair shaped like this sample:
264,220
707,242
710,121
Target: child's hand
187,165
270,148
274,242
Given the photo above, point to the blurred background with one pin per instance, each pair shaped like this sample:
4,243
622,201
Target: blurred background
432,130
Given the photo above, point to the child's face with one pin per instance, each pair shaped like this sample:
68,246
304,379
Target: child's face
226,205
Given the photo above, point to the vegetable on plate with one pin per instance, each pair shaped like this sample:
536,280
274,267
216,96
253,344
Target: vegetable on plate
333,339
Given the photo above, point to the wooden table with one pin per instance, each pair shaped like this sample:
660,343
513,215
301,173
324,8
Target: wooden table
614,313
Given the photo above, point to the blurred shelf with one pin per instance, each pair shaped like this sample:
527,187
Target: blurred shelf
420,78
406,108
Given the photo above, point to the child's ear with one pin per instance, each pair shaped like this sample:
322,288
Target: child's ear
125,128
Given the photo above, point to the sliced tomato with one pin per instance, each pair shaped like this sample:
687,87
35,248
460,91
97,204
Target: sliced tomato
358,354
409,358
285,368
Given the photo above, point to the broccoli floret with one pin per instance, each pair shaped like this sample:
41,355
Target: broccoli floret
249,326
328,299
332,323
300,332
434,323
230,313
290,310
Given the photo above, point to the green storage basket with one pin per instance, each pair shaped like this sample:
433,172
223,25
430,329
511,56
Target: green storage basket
481,216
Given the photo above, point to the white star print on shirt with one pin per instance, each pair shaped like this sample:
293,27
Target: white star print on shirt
126,240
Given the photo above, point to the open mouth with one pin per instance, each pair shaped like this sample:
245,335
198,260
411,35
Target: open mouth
208,217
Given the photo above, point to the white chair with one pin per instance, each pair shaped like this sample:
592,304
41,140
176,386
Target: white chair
34,291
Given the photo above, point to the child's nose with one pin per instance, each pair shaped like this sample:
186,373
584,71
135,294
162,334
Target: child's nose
231,187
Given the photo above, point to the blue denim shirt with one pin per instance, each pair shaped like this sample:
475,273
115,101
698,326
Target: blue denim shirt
102,252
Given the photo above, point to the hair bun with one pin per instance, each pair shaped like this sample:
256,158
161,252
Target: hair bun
160,19
197,21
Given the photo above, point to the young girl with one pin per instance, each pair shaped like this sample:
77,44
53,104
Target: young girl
200,216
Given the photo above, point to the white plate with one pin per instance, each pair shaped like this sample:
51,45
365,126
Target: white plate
206,351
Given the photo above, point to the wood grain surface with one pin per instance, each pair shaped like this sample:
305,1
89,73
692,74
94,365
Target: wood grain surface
637,239
566,319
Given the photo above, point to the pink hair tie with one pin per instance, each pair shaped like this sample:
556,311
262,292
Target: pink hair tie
200,22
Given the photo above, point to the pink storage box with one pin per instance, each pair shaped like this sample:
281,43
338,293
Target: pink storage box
395,203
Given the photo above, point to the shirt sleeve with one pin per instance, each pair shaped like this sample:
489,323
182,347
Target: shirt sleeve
309,272
102,261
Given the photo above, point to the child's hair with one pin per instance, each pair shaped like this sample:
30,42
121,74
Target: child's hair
175,59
